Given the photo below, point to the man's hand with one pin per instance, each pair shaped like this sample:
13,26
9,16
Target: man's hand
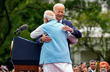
7,70
45,38
67,28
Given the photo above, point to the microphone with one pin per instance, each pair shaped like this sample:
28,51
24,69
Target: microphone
22,28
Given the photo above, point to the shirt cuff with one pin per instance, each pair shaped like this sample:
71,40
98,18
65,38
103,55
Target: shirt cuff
41,41
72,31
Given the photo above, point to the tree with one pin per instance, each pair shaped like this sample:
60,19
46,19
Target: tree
13,14
88,15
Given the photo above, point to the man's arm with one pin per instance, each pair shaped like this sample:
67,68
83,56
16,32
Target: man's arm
37,32
69,27
75,32
43,38
72,39
39,40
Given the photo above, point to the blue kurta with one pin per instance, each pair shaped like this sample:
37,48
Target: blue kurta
57,49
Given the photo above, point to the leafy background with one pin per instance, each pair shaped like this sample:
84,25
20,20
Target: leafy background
14,13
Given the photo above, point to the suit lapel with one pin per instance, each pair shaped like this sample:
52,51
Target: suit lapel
64,22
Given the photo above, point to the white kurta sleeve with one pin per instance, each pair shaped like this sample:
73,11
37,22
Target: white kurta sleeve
37,32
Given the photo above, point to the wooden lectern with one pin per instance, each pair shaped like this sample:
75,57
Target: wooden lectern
25,55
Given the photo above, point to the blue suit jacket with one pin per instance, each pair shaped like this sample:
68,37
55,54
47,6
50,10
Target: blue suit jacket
76,33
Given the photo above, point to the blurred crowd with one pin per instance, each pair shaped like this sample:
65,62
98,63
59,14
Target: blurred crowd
93,66
3,68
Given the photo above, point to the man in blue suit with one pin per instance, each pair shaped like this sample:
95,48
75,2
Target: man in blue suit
59,10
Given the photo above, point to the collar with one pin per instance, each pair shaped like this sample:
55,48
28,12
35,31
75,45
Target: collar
51,20
60,21
94,70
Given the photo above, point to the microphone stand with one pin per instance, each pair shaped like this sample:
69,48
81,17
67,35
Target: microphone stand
17,32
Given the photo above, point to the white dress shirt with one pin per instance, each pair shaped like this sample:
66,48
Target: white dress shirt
94,70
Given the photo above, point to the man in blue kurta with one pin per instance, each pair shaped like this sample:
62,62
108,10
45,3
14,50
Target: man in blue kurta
55,55
57,49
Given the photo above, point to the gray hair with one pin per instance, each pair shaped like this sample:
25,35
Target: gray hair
75,66
92,61
58,4
49,17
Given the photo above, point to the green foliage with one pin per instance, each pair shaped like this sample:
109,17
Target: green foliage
19,12
14,13
56,1
88,17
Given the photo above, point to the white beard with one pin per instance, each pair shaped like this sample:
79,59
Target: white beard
103,71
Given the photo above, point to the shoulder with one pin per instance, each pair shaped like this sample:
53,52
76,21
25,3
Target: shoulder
67,21
43,25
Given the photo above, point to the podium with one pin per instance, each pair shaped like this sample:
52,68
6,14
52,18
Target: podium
25,55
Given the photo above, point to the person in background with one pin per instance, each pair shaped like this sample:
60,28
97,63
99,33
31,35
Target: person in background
4,68
0,69
88,68
108,70
79,67
75,68
39,69
92,65
83,67
103,68
13,70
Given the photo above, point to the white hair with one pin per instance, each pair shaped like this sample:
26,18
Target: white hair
49,17
58,4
